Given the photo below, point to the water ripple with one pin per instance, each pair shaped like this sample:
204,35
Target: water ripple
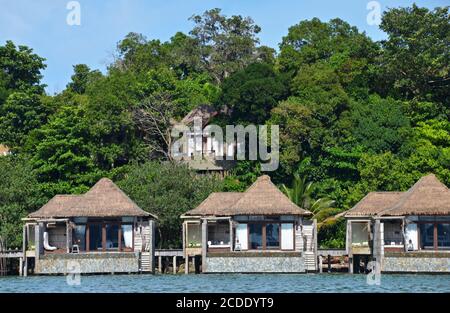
229,283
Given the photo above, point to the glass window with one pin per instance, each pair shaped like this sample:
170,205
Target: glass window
427,236
272,236
112,236
194,235
255,234
79,237
360,234
443,233
95,237
219,234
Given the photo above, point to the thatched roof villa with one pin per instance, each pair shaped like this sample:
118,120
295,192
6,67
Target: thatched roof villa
388,226
259,230
102,230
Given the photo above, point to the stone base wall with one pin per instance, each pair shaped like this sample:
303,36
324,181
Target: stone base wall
416,264
271,264
89,263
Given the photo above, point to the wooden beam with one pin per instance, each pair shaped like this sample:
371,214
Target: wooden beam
174,264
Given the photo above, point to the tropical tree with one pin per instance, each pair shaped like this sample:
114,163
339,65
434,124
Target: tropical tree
301,194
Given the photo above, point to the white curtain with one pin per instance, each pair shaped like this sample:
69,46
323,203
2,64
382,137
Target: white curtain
128,235
287,236
411,234
242,236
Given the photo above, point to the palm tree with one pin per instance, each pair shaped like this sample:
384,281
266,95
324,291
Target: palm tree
301,194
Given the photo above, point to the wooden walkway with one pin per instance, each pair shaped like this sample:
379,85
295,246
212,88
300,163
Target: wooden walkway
329,253
169,252
174,254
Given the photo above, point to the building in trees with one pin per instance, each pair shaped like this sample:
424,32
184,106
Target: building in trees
203,151
4,150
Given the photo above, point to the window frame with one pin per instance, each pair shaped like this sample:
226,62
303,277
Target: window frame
103,224
264,235
435,235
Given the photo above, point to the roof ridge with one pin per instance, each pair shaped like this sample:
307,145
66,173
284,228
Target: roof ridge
105,198
407,194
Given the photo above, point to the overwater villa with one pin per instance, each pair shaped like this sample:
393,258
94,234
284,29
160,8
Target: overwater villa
259,230
101,231
403,231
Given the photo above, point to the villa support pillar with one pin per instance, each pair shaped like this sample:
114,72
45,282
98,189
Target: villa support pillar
24,249
186,264
174,264
20,266
68,239
184,236
320,264
160,264
348,246
204,243
231,236
39,240
152,245
315,242
378,240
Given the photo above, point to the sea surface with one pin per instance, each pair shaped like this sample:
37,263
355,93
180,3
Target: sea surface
226,283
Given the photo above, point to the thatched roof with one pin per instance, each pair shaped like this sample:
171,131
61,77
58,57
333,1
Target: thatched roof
373,203
217,203
262,198
428,196
204,112
105,199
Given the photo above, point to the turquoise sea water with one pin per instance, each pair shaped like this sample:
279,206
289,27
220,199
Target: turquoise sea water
232,283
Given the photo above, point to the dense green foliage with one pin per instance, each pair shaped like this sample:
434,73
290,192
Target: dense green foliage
355,115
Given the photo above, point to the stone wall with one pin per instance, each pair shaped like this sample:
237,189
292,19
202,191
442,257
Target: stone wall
88,263
255,264
416,264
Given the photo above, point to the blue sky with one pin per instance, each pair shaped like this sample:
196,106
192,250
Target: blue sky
41,24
